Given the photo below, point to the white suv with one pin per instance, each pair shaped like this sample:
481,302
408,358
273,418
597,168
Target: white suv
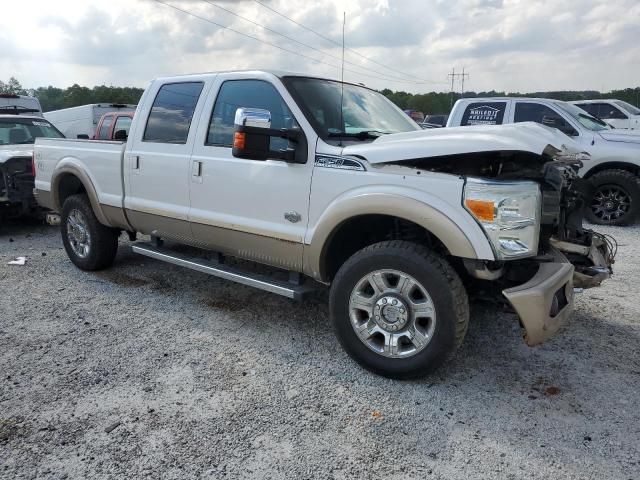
616,113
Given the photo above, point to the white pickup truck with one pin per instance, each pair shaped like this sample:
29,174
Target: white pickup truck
614,168
616,113
331,184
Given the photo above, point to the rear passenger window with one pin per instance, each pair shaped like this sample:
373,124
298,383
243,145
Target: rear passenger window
171,113
235,94
485,113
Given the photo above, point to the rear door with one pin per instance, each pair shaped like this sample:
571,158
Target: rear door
157,166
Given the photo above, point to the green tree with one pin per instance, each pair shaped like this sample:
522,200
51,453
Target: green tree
12,86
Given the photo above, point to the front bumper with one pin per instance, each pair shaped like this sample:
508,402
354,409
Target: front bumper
545,302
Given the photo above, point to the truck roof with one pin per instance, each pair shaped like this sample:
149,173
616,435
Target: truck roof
275,73
596,100
483,99
22,117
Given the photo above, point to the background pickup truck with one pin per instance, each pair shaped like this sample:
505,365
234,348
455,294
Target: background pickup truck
616,113
331,184
614,167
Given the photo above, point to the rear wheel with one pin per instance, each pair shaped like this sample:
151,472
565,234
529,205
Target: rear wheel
616,198
399,309
89,244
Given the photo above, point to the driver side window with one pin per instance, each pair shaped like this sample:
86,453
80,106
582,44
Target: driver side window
236,94
535,112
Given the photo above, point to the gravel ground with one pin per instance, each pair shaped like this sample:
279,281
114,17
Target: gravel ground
150,370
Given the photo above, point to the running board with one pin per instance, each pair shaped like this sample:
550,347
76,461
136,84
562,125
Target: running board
263,282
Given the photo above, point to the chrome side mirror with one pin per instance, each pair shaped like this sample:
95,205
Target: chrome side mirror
253,117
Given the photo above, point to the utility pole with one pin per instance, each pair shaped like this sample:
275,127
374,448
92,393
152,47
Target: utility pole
463,77
453,76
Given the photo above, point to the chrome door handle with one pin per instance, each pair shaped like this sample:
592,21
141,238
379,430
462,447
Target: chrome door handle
196,169
135,164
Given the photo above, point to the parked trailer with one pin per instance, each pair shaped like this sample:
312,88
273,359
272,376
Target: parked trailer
81,122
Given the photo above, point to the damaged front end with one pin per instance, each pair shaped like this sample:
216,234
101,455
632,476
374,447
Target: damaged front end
16,187
540,285
570,257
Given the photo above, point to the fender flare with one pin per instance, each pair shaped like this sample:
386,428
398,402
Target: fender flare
437,223
85,180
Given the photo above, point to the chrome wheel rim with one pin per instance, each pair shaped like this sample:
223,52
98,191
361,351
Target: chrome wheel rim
392,313
78,233
610,203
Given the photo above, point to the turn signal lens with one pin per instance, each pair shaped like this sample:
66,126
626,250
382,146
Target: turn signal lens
483,210
239,140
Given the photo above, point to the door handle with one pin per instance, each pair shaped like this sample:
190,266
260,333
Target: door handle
196,169
135,164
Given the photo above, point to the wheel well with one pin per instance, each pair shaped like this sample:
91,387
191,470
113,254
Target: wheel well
629,167
69,185
359,232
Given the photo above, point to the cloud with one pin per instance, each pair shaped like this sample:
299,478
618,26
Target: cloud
512,45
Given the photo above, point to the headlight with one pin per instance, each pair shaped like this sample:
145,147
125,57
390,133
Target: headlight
509,213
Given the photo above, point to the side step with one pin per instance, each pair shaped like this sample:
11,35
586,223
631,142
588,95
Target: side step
263,282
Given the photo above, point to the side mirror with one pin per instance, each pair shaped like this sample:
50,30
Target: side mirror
252,138
120,135
82,136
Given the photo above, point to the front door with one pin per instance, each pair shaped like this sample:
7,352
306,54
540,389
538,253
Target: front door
248,208
157,165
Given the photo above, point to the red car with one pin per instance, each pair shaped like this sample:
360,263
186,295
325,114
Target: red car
114,126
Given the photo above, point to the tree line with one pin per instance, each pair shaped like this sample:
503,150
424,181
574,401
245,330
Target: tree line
53,98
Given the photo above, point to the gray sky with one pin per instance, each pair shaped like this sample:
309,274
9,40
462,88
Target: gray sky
510,45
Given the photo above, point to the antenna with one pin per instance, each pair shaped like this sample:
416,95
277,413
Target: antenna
344,21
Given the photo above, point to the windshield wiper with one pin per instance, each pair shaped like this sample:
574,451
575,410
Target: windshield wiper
363,135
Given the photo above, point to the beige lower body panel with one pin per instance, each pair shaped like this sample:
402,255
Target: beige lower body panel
249,246
545,302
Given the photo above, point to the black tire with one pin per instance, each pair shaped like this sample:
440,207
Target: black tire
102,243
606,183
439,280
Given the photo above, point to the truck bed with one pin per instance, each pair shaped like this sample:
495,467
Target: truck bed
100,160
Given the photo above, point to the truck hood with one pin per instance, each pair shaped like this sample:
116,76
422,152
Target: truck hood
624,136
10,151
526,137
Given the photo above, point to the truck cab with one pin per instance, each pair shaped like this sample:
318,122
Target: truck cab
614,165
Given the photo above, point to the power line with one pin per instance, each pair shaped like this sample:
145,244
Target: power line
323,52
274,45
368,59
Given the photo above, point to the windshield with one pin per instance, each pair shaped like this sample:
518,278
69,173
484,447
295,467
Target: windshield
587,121
628,107
16,131
365,113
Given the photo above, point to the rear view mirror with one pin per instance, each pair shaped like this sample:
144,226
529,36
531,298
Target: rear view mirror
120,135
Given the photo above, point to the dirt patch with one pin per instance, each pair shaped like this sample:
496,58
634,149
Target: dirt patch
123,279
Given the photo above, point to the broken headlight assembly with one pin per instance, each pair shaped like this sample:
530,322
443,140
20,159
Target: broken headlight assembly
509,213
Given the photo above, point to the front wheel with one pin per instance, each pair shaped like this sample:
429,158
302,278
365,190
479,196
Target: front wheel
399,309
616,198
89,244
